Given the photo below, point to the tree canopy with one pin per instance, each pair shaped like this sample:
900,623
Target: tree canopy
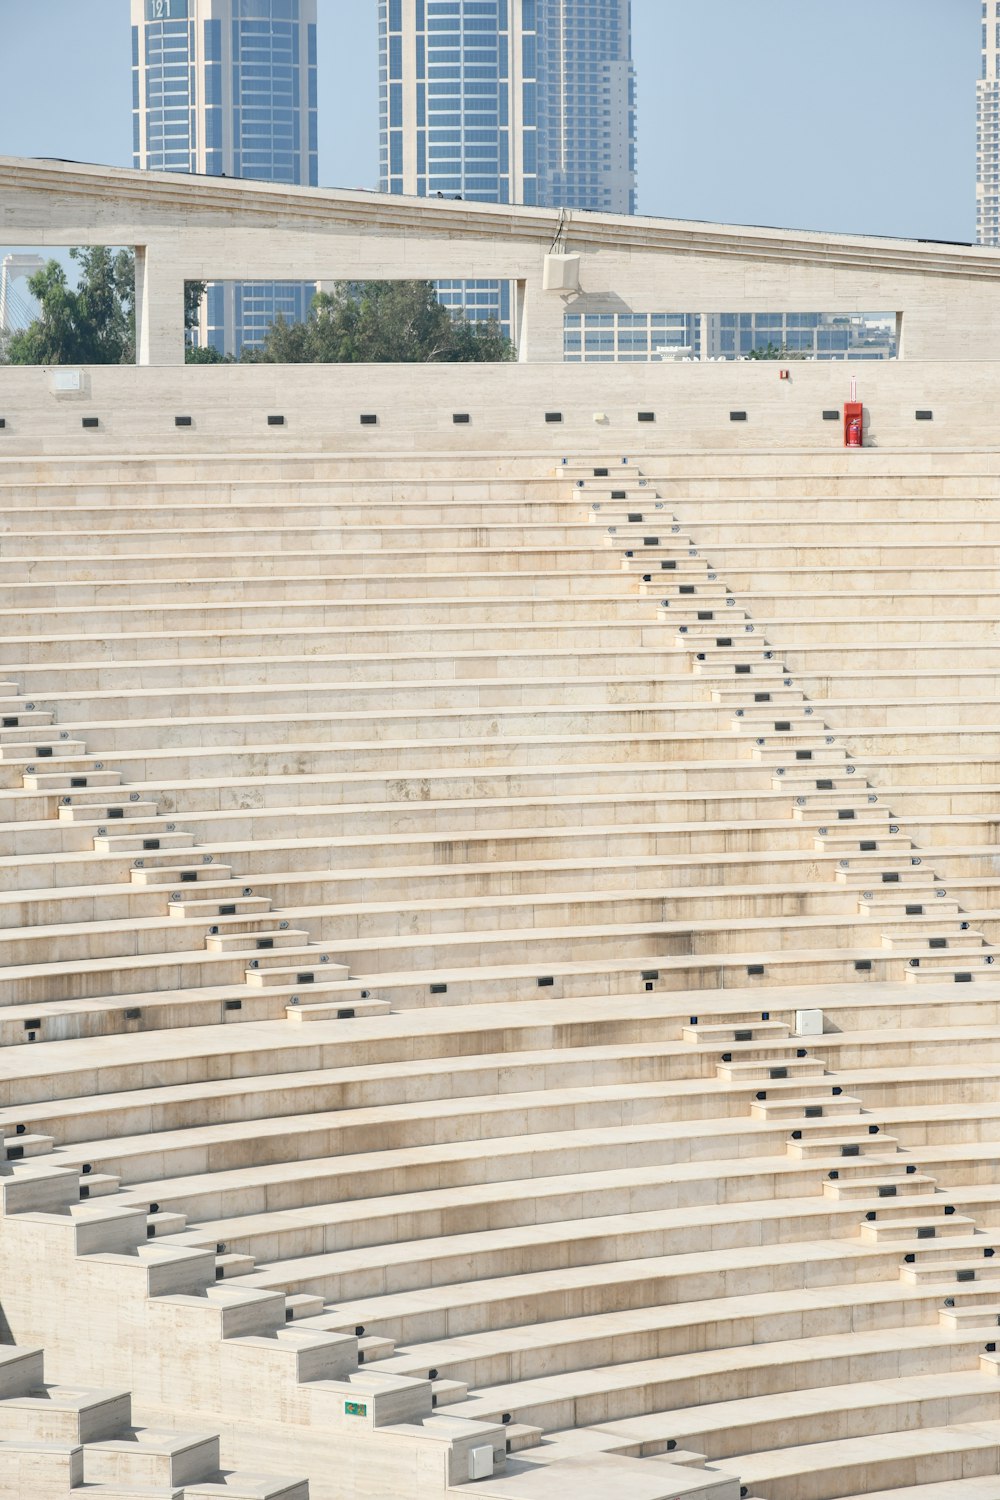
93,324
368,322
381,322
776,351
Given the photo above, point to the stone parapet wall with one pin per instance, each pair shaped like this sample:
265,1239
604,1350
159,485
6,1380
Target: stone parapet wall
509,408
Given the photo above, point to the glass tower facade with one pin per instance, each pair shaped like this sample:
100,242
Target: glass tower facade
988,129
507,101
228,87
587,115
649,338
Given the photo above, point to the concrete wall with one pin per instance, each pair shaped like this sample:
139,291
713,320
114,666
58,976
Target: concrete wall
210,229
507,405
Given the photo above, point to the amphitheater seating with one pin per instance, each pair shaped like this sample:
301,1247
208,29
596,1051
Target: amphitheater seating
58,1442
509,949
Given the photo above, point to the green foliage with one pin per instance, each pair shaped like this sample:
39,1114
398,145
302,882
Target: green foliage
381,322
209,355
369,322
193,293
776,351
93,324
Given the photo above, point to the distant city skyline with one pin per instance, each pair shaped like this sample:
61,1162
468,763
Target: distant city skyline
507,101
774,113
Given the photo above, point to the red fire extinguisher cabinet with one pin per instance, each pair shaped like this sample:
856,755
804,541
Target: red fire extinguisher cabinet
854,424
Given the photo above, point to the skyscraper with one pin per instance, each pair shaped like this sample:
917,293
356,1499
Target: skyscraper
508,101
228,88
586,95
988,130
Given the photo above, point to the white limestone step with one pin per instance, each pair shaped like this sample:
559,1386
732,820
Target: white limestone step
98,1185
163,1222
216,874
142,843
332,1010
814,1106
16,1147
153,1457
64,781
45,1470
977,1487
18,754
240,1485
969,1268
751,1031
92,813
302,1305
822,1471
229,1264
879,1190
917,1228
295,975
930,1209
964,1316
655,1387
960,973
260,938
51,1413
858,1145
946,939
220,906
372,1348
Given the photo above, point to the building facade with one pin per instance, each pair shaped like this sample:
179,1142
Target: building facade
668,338
988,129
507,101
228,88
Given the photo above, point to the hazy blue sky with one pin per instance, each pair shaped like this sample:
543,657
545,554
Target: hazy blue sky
858,116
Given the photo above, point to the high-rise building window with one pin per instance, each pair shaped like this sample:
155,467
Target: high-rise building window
228,87
509,101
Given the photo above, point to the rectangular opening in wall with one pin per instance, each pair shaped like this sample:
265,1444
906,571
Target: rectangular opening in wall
347,322
47,296
612,337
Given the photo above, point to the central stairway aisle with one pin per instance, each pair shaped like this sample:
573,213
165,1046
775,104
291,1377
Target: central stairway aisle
584,1033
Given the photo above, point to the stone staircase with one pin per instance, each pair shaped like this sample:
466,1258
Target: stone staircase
628,839
58,1442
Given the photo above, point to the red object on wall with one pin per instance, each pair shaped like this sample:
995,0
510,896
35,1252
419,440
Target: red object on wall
854,424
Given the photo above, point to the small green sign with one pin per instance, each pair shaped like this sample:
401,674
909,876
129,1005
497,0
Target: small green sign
355,1409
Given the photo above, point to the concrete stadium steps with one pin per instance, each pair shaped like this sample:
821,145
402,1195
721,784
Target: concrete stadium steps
56,1441
953,1454
584,1003
978,1487
565,1157
806,1367
177,984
